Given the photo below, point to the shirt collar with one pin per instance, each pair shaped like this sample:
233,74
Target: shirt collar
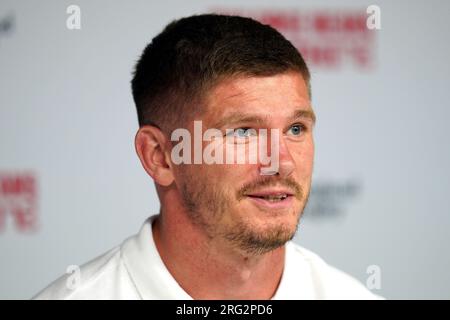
147,271
296,282
153,281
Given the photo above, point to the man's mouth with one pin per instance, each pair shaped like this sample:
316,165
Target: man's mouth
272,198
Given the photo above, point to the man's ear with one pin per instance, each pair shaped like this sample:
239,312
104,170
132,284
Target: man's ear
151,144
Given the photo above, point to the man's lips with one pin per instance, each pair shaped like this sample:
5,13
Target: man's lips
270,193
272,198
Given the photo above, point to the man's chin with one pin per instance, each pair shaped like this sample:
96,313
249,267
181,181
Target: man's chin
257,240
260,219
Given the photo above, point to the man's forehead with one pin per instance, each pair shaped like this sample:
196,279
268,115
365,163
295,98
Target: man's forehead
281,95
246,86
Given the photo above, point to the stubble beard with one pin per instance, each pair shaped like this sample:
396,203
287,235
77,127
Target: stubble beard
206,205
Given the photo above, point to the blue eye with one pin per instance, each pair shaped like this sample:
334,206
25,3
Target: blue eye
244,132
297,129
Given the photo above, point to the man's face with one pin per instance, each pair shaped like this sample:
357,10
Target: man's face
235,203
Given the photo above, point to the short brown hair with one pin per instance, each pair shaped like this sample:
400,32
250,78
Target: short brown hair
193,54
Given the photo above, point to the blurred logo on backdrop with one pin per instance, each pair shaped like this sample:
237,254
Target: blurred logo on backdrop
18,201
331,199
6,24
327,39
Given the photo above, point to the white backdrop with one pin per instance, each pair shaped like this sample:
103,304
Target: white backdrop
67,123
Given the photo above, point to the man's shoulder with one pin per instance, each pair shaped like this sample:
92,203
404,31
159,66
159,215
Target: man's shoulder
97,279
330,282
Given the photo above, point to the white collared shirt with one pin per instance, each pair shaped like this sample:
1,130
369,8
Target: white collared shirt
135,270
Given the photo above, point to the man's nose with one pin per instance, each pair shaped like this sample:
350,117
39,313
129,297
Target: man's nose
285,163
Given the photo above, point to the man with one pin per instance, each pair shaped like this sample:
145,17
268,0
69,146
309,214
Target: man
224,228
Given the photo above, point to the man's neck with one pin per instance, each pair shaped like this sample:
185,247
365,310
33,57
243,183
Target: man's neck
208,268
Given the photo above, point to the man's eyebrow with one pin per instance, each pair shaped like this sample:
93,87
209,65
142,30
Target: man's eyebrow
302,113
239,117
